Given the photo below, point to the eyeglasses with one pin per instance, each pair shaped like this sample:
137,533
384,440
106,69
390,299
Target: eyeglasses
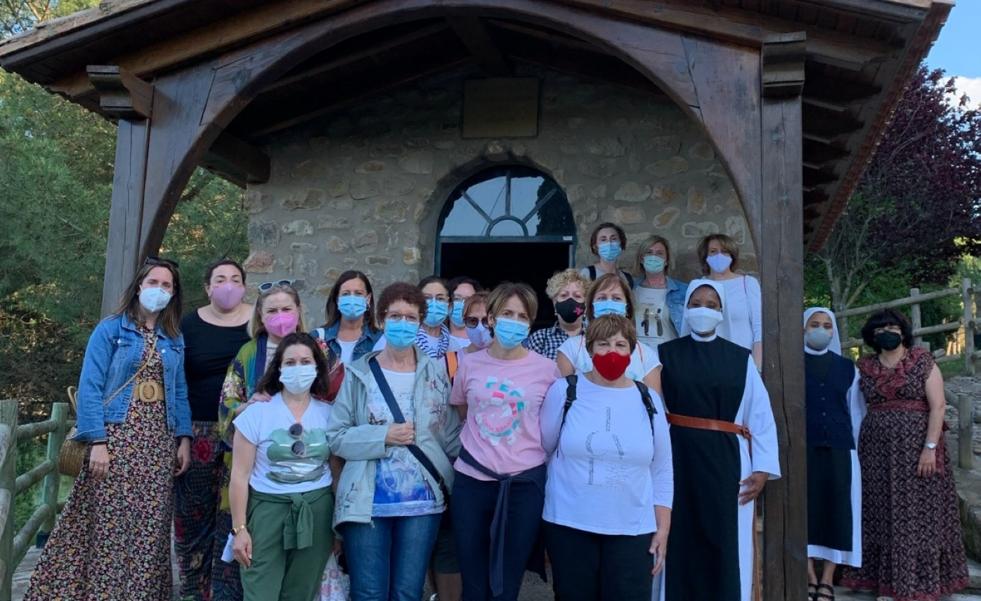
473,322
298,448
400,317
157,261
267,286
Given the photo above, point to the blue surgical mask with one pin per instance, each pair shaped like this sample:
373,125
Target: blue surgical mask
457,315
436,312
479,336
654,264
719,262
352,306
609,251
608,307
510,332
154,299
818,339
400,333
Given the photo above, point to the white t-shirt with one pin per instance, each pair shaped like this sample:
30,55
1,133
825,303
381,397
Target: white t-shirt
282,464
606,472
652,317
642,361
401,489
270,351
458,343
347,350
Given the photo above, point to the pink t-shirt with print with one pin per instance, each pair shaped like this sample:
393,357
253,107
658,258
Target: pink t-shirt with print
504,399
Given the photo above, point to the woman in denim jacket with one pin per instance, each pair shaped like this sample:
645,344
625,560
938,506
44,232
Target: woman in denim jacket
389,501
114,534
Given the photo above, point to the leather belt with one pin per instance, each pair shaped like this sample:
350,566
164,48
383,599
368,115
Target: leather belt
149,392
716,425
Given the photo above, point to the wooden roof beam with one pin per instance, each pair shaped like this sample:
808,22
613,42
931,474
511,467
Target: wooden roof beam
477,39
122,95
237,160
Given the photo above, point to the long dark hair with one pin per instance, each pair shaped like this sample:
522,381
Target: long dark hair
333,314
169,319
270,384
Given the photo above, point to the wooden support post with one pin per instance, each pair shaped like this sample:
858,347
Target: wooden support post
49,494
965,430
781,254
967,295
915,317
8,484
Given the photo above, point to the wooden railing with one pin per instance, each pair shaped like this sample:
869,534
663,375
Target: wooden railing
14,545
965,326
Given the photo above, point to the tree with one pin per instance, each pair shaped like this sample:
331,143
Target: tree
916,209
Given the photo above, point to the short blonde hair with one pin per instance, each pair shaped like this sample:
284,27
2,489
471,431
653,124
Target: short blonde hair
609,326
642,252
477,298
563,278
603,282
503,293
256,327
728,245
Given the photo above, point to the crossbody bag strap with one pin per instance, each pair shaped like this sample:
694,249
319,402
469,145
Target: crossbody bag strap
153,348
399,418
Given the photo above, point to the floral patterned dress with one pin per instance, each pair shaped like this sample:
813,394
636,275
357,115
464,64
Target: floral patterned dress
113,539
911,531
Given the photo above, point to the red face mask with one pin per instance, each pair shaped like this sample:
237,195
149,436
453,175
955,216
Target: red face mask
612,365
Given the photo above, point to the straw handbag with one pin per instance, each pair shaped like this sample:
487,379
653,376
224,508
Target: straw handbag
72,453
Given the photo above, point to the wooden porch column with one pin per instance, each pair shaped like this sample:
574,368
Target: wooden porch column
781,257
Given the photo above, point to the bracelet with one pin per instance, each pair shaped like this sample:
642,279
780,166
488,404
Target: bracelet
238,529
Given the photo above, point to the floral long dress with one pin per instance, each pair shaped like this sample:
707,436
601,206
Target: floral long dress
911,530
113,539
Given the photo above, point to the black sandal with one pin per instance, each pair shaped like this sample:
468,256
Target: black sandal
828,596
811,590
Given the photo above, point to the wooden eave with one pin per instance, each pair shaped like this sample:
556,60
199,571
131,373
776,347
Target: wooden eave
860,55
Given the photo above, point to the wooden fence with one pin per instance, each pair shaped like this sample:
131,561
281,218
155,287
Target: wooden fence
14,545
964,328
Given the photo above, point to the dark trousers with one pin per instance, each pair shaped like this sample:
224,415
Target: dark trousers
599,567
472,504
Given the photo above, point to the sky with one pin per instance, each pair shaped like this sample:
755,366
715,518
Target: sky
958,48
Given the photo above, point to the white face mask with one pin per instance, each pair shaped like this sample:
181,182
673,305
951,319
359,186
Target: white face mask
818,338
703,320
719,262
154,299
298,378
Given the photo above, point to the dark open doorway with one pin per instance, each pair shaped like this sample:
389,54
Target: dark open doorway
491,263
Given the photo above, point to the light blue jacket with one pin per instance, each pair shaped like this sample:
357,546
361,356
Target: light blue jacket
364,346
112,356
357,438
675,300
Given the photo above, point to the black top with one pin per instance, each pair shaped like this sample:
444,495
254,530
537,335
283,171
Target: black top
829,377
209,349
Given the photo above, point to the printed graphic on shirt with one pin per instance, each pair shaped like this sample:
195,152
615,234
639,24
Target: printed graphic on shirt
297,455
499,411
606,456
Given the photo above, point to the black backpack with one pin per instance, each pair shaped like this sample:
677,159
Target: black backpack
570,397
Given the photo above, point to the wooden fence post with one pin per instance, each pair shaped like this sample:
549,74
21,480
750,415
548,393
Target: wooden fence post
965,430
8,489
49,494
967,293
915,317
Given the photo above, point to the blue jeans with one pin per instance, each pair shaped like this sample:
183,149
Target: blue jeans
387,558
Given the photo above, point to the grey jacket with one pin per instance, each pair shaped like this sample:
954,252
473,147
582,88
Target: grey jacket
361,443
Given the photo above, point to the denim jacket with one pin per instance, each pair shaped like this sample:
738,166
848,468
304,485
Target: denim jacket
364,346
675,299
112,356
355,437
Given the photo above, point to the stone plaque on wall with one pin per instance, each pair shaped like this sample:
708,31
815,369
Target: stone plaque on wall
500,107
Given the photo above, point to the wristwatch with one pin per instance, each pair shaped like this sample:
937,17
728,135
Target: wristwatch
238,529
930,446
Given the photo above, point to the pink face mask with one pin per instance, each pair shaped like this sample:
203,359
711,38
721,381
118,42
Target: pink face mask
281,324
228,295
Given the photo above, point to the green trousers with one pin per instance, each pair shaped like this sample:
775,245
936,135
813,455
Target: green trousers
292,539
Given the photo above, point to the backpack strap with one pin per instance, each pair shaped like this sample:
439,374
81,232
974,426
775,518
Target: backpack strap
570,396
452,363
645,396
629,278
592,272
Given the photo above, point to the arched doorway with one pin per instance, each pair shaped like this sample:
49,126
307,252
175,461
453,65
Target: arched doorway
496,219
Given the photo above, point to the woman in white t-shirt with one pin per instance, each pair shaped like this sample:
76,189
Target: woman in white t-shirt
660,298
609,295
280,490
610,477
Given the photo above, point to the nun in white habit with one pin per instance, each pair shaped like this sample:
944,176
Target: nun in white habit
835,409
724,443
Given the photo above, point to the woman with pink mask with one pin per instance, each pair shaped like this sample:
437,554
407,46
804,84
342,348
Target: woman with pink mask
277,314
212,336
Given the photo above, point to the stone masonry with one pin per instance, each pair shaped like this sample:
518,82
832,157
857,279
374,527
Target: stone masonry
363,188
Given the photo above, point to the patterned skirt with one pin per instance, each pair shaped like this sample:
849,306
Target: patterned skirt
113,539
911,530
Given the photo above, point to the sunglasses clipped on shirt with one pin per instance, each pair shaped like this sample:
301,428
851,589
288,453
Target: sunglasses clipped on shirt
298,448
267,286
